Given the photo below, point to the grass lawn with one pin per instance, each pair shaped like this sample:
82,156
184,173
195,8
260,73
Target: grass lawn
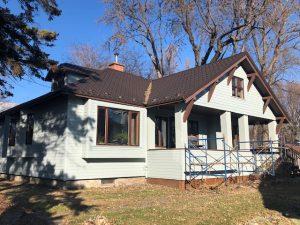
270,202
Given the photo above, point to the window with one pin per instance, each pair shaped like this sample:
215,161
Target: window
193,128
161,131
117,126
238,87
29,129
165,132
12,132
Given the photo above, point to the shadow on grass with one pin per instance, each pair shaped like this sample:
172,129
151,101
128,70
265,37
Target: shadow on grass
37,204
282,193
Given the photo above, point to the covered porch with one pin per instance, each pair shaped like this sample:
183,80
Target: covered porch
174,126
200,142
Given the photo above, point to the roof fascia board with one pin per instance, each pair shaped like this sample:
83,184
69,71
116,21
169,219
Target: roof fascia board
106,100
214,80
267,88
33,101
229,69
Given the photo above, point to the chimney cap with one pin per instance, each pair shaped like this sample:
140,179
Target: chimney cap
117,66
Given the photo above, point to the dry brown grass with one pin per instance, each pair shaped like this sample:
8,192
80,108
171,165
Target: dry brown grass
271,202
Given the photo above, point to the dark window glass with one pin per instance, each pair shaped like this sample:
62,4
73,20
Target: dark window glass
193,128
134,129
12,132
101,126
116,126
29,129
238,87
161,131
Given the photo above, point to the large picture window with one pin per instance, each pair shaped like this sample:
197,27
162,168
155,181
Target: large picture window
117,126
238,87
12,132
29,128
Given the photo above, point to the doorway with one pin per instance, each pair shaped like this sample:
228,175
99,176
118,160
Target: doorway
164,132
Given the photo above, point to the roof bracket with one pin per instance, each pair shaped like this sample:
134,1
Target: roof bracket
267,102
211,90
280,124
230,76
251,81
188,109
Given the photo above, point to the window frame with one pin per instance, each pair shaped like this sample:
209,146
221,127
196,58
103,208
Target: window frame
191,123
239,87
159,142
28,140
12,142
106,127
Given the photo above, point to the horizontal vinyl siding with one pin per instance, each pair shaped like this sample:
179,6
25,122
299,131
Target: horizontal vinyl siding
85,159
166,164
45,156
222,99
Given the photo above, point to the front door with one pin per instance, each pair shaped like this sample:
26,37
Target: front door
165,132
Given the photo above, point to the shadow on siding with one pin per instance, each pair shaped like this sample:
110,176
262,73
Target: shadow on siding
31,204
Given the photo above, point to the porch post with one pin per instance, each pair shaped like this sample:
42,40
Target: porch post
150,130
181,133
226,127
243,122
272,130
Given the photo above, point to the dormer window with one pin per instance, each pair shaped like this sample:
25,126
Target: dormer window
238,87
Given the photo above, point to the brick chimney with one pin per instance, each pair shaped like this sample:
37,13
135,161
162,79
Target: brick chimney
115,65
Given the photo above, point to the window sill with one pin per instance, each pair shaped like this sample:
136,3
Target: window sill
115,152
238,98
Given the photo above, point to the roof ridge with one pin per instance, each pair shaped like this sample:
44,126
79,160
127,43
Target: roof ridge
100,70
148,93
201,66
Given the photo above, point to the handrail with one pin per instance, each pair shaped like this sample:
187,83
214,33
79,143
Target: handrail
233,159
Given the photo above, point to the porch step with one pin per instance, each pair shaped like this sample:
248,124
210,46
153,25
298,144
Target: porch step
210,173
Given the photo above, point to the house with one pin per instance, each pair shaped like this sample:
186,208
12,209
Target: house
108,125
6,105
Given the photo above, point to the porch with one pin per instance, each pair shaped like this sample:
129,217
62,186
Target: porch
207,144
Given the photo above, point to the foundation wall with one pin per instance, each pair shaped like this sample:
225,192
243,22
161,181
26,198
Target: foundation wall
77,184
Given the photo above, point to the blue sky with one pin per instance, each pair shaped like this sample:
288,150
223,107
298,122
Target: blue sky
77,24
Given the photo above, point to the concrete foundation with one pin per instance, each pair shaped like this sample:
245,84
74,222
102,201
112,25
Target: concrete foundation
77,184
198,183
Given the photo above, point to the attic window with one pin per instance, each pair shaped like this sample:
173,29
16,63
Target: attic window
238,87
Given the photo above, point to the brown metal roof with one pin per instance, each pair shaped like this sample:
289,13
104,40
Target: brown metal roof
115,86
181,85
112,85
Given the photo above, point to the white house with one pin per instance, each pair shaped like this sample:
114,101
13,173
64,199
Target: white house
105,125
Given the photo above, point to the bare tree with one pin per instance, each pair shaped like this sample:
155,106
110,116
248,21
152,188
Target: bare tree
289,94
212,27
99,58
275,45
88,56
144,23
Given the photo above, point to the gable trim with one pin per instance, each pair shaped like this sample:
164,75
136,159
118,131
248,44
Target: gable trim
258,74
